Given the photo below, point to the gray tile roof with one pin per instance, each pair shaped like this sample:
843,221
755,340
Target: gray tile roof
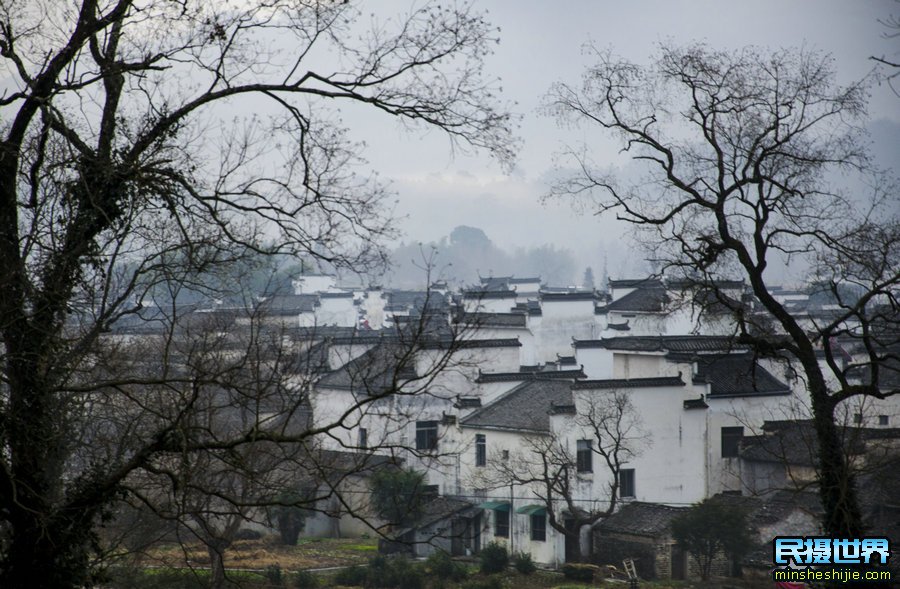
441,508
489,294
530,374
336,295
651,299
526,407
531,307
663,343
290,303
736,375
382,368
512,342
630,383
584,295
633,282
494,319
789,442
642,519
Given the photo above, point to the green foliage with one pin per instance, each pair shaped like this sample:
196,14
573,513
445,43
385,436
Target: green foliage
163,578
289,518
523,563
578,572
351,577
274,575
710,528
305,580
398,495
360,547
441,566
248,534
483,583
494,558
393,573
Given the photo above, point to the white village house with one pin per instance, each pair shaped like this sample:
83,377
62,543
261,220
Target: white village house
526,370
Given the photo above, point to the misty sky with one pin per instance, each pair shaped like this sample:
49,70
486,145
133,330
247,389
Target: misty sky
541,42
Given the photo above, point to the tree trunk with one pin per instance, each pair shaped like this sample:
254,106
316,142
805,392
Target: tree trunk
35,560
47,547
217,566
837,485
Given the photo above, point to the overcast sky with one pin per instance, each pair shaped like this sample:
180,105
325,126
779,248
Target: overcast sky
541,43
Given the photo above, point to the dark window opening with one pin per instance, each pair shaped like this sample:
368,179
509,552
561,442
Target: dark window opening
584,456
501,523
538,527
426,435
363,441
883,420
626,483
731,441
480,450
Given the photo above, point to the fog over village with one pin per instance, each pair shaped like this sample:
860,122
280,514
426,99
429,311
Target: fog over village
449,295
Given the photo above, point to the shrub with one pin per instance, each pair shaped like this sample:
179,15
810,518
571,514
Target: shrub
273,575
710,527
305,580
494,558
398,495
522,562
440,565
393,573
289,515
351,577
407,576
485,583
578,572
248,534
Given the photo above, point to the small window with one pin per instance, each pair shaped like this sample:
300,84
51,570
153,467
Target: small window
538,527
626,483
426,435
505,455
501,523
883,420
584,456
363,439
731,441
480,450
857,418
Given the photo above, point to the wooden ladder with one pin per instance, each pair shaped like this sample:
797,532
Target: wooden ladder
629,568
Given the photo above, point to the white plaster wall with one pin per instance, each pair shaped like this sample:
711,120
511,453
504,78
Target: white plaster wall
552,550
337,311
528,351
489,305
747,412
597,362
372,306
556,329
669,442
639,323
313,283
631,365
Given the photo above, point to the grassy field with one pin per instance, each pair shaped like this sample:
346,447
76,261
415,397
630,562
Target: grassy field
263,564
310,553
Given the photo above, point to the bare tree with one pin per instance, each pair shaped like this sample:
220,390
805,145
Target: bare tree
741,155
546,464
892,25
124,174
